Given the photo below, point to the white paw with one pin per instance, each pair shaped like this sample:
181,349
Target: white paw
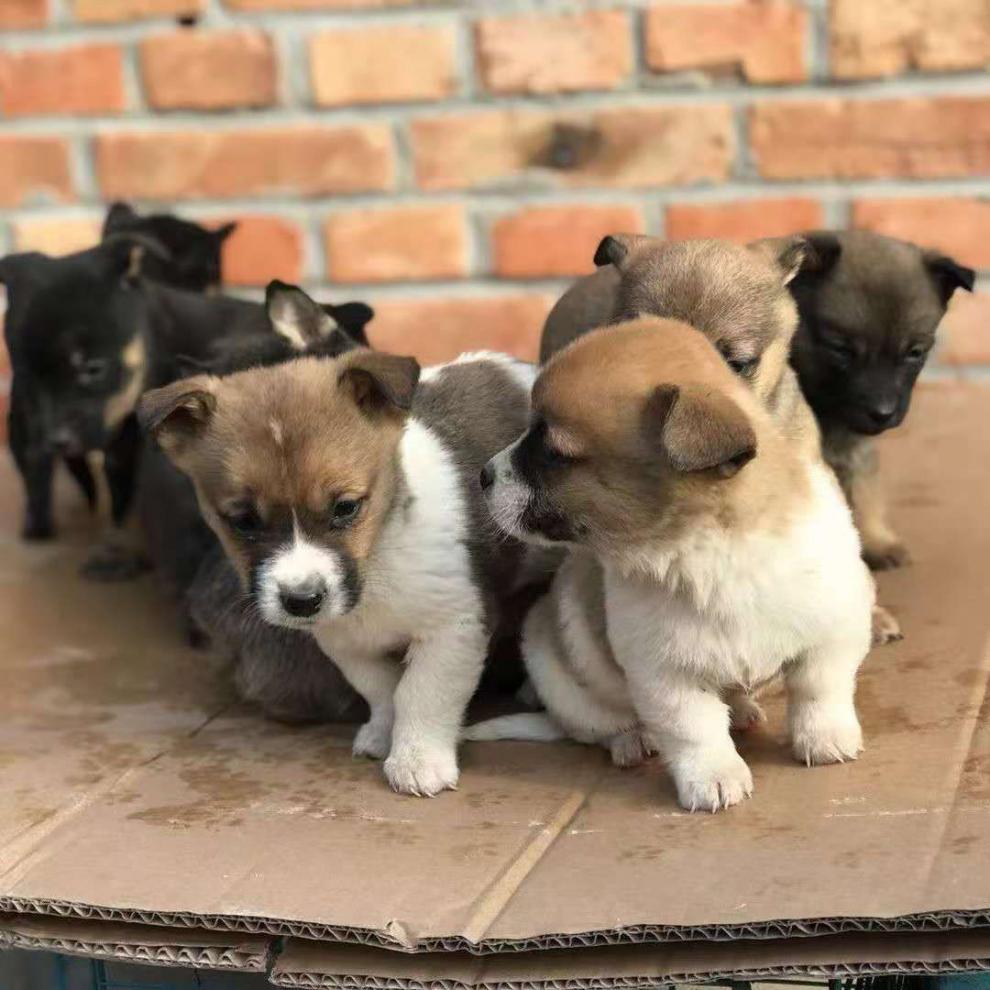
746,712
422,770
373,739
884,627
825,735
630,749
709,780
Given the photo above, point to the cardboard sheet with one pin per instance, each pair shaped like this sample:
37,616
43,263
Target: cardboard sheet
134,789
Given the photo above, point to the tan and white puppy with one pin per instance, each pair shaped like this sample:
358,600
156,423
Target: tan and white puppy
713,550
346,493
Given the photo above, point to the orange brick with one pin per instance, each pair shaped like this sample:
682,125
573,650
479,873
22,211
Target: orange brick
212,70
83,79
435,330
23,13
964,339
554,54
638,146
348,65
315,4
957,226
914,138
401,244
56,237
109,11
762,42
35,168
887,37
743,221
548,241
306,161
261,248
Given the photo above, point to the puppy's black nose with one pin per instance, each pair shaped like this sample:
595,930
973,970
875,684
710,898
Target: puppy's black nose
302,601
882,413
487,477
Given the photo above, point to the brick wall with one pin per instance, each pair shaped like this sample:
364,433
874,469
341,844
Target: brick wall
456,163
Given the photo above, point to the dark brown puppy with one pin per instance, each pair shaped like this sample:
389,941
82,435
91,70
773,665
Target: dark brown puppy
869,307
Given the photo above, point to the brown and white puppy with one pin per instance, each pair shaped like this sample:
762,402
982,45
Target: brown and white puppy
345,490
869,308
712,550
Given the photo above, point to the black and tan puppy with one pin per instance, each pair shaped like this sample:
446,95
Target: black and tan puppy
869,307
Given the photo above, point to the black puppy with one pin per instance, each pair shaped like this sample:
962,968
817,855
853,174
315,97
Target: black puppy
181,253
869,307
87,334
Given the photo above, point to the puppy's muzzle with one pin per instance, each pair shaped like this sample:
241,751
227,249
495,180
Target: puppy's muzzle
302,601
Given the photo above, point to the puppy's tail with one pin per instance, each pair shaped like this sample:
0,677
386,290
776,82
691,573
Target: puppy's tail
527,726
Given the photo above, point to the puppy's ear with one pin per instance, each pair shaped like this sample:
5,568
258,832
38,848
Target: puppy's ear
380,383
25,267
351,317
822,252
699,429
222,233
119,217
948,275
788,253
177,414
616,249
295,316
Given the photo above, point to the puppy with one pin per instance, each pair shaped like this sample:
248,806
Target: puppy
347,497
869,307
713,550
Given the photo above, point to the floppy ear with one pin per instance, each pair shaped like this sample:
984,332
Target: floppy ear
787,252
222,233
119,217
948,274
699,429
380,383
616,249
178,413
295,316
351,317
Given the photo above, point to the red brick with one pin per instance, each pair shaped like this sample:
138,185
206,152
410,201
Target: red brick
262,248
307,161
346,64
957,226
554,54
964,335
55,237
315,4
549,241
762,42
887,37
435,330
23,13
213,70
109,11
744,220
638,146
914,138
400,244
83,79
35,168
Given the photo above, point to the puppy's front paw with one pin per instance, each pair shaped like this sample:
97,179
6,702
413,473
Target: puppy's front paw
373,740
885,628
423,771
630,749
885,556
712,779
820,735
745,712
113,562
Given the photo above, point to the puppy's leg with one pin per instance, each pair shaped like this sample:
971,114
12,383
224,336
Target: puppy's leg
36,464
442,672
882,547
745,711
885,627
820,698
375,678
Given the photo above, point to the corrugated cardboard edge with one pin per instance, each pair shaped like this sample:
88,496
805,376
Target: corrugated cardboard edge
931,921
150,944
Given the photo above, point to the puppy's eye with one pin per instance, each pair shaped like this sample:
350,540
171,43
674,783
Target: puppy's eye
918,352
345,511
244,520
743,366
93,371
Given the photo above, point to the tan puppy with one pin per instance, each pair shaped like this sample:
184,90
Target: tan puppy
713,551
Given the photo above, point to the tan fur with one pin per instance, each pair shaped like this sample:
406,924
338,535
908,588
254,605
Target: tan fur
134,359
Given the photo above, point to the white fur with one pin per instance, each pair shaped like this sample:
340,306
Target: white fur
523,373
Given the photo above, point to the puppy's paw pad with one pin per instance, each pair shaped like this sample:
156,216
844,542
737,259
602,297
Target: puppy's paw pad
422,772
819,739
746,713
886,556
630,749
714,782
885,628
372,740
113,563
